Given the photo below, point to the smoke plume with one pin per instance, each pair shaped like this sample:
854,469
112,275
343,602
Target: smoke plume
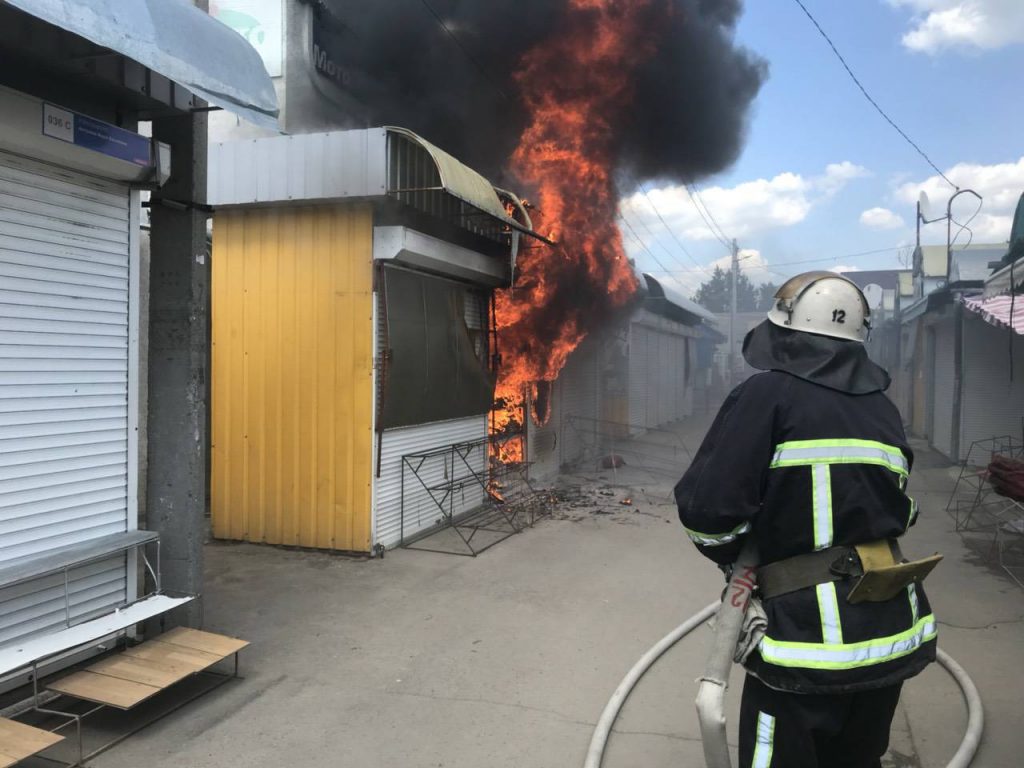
692,88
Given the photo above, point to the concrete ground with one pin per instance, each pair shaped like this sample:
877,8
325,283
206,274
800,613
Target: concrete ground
506,660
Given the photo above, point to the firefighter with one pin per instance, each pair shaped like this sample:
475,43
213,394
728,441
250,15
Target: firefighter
810,459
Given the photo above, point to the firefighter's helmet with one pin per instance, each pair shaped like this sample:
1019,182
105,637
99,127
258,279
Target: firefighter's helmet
825,303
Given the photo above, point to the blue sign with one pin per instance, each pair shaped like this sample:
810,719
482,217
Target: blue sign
96,135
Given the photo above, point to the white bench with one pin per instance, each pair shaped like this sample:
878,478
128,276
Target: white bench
28,655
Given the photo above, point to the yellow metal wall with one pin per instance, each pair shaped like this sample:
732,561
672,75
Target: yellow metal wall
292,374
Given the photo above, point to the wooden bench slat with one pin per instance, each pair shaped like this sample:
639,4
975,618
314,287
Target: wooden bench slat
136,670
104,689
197,640
18,741
174,656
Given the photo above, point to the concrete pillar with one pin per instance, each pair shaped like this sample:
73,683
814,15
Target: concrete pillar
176,488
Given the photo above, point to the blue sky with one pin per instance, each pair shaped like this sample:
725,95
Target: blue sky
822,176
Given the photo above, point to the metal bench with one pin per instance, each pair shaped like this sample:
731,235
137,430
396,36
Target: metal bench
26,656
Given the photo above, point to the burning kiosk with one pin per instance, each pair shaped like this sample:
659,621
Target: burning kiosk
632,377
353,343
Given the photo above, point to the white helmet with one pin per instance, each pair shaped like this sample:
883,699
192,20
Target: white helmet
825,303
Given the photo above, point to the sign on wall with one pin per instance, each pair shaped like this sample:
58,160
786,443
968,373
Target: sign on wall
261,22
90,133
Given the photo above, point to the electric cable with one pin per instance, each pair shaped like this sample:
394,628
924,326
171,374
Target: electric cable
966,226
822,259
669,229
709,219
468,54
641,243
867,95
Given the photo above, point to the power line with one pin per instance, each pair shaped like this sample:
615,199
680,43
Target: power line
709,219
768,267
643,245
868,96
476,62
664,223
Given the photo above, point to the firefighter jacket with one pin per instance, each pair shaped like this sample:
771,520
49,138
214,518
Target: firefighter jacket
802,466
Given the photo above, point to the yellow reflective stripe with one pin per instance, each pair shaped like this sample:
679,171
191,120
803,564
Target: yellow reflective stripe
828,609
840,442
914,608
913,512
717,539
796,453
765,741
848,655
822,505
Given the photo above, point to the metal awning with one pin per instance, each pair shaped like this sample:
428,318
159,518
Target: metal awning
177,40
1000,311
459,180
658,290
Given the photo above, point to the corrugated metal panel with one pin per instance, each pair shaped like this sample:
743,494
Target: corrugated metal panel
943,376
64,295
992,405
578,400
420,511
639,389
543,441
292,407
314,166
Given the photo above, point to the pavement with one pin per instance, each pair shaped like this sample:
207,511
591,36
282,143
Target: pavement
506,660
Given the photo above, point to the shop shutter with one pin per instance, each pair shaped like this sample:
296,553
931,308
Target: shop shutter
944,374
639,389
64,261
992,404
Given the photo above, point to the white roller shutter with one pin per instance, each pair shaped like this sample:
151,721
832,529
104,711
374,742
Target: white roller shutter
944,375
992,404
64,357
421,512
639,388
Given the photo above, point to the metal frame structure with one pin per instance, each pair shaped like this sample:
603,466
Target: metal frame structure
498,514
973,476
599,437
77,718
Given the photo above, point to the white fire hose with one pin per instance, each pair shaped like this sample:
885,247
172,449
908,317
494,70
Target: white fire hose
711,693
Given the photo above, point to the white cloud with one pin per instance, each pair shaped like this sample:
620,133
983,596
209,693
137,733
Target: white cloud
963,24
752,206
1000,185
881,218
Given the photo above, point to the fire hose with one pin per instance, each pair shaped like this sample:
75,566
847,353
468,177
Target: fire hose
711,693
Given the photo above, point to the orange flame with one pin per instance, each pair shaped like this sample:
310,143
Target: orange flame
576,88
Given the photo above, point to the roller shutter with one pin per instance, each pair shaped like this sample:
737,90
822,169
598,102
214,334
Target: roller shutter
943,379
64,300
993,404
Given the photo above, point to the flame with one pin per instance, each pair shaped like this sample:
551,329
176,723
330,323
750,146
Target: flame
577,88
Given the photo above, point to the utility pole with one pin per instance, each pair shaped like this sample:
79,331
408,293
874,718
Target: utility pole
732,315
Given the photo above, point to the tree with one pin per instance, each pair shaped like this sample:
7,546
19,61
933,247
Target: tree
715,293
766,296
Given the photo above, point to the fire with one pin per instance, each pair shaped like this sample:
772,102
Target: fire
577,89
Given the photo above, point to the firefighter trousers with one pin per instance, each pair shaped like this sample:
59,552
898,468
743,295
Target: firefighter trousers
794,730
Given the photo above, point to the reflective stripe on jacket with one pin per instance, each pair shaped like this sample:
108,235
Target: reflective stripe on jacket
802,467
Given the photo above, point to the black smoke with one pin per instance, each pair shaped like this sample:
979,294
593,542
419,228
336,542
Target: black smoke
687,120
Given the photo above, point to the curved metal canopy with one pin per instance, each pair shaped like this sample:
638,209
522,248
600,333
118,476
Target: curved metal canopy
659,290
176,40
459,180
